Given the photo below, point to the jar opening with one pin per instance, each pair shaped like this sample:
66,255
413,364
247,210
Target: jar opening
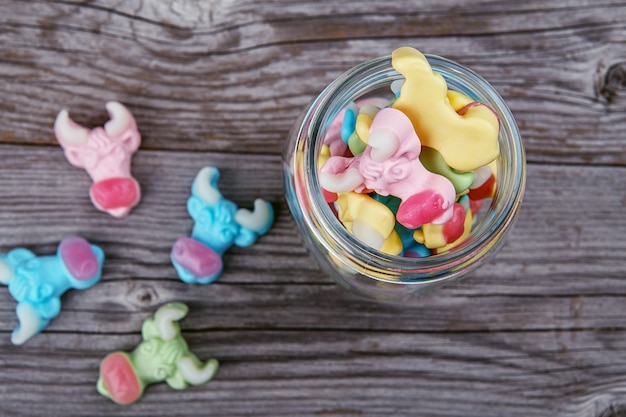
372,79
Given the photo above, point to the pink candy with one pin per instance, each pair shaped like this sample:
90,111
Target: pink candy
390,165
105,153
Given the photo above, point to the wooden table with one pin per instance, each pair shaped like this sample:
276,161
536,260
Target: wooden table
539,331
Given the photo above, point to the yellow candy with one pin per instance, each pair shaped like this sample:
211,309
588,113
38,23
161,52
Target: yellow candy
467,228
392,245
364,121
466,141
430,235
369,221
324,155
458,100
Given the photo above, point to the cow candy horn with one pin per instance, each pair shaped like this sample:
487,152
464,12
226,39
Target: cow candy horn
69,132
120,117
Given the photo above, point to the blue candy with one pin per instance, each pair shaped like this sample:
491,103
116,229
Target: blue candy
349,123
37,282
219,224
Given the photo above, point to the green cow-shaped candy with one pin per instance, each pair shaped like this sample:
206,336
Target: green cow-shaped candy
163,355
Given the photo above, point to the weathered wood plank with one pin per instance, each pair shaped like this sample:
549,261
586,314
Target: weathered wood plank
233,77
344,373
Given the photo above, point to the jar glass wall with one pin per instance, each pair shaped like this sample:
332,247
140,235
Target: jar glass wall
357,266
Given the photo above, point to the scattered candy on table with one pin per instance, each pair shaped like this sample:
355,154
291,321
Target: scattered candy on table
408,174
105,153
37,282
163,355
219,224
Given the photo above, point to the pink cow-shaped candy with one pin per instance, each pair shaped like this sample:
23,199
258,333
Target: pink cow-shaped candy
390,165
105,153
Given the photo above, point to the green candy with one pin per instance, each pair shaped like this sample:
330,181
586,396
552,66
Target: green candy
163,355
355,144
434,162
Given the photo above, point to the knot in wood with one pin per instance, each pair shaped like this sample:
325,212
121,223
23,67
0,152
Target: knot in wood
614,80
144,296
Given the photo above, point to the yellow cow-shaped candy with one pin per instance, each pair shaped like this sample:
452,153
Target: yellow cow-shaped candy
369,221
466,139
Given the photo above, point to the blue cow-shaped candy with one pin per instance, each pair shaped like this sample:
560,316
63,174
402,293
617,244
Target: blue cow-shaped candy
37,282
219,224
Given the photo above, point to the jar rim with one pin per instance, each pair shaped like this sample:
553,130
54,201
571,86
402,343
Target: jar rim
486,234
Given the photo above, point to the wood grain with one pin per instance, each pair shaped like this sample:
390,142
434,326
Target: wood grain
537,331
215,76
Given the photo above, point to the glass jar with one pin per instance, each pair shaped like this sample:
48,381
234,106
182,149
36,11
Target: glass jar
356,266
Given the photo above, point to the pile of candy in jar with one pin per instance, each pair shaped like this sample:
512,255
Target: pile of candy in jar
407,176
